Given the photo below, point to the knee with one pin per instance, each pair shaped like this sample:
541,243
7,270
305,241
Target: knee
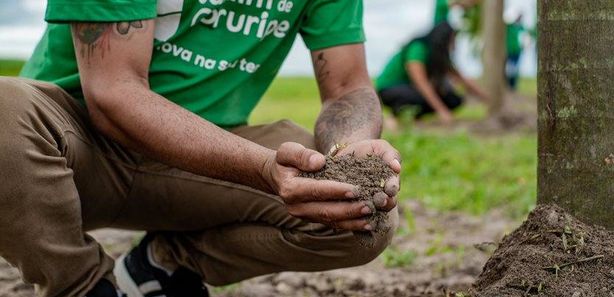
367,247
289,131
13,99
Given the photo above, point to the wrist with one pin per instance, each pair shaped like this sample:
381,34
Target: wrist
443,111
265,174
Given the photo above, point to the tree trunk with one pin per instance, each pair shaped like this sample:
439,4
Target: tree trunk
493,59
576,120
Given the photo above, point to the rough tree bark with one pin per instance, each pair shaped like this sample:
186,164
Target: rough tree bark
493,57
576,96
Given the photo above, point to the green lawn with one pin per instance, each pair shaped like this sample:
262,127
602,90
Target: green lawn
10,67
448,171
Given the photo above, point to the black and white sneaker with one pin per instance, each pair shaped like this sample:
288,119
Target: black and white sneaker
137,277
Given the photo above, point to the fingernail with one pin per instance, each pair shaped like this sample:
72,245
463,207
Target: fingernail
397,163
365,210
350,195
368,227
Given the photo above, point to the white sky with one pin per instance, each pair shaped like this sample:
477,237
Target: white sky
388,25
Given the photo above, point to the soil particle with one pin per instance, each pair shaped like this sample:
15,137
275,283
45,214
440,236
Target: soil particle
551,254
369,174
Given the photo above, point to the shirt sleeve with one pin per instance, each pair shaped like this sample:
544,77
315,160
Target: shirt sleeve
329,23
417,52
63,11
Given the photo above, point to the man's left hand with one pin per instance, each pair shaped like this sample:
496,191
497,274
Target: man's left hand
390,156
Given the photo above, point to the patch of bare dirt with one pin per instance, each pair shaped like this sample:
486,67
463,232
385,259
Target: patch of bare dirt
551,254
450,250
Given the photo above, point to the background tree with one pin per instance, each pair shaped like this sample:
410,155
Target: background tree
494,54
576,122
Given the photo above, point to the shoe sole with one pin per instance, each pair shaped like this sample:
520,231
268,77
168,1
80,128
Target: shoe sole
124,281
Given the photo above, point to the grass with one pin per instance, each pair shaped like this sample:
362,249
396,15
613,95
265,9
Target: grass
293,98
457,171
394,257
10,67
445,170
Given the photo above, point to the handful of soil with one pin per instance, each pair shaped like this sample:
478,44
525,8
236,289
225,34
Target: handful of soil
551,254
369,174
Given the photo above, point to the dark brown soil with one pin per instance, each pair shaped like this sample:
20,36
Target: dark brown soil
551,254
369,174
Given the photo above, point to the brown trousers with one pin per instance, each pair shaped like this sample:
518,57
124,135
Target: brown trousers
60,178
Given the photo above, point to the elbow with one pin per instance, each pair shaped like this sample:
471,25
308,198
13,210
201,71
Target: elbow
102,103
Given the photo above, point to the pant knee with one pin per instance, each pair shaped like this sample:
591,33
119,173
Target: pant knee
359,248
370,246
14,101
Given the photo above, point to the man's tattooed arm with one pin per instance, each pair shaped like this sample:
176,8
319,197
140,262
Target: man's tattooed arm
351,110
353,117
96,37
320,66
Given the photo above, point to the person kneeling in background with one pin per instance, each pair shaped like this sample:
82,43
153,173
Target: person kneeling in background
417,76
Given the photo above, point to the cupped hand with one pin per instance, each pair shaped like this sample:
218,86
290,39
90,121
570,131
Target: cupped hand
328,202
385,200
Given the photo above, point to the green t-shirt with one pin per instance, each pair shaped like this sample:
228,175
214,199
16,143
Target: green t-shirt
442,10
395,72
215,58
514,45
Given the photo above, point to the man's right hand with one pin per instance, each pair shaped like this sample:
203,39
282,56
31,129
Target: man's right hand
328,202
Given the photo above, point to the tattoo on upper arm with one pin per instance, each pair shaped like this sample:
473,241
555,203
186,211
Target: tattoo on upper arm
92,36
356,112
322,71
97,36
123,28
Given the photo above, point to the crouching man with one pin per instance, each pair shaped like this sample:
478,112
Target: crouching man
133,115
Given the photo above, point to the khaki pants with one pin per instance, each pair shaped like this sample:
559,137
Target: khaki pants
60,178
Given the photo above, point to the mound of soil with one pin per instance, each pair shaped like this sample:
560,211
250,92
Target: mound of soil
369,174
551,254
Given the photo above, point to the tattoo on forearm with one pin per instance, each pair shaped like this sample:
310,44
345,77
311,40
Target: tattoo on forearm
355,115
97,36
322,72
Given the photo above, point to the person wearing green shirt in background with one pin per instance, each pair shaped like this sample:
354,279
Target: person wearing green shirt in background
442,8
133,115
417,77
514,51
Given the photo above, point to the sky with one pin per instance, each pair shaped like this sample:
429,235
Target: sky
388,25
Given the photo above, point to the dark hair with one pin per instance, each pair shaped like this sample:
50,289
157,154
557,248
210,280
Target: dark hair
438,42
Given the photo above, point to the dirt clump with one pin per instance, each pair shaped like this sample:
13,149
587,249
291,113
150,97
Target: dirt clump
369,174
551,254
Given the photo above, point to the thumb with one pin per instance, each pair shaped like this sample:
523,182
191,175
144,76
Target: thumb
295,155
